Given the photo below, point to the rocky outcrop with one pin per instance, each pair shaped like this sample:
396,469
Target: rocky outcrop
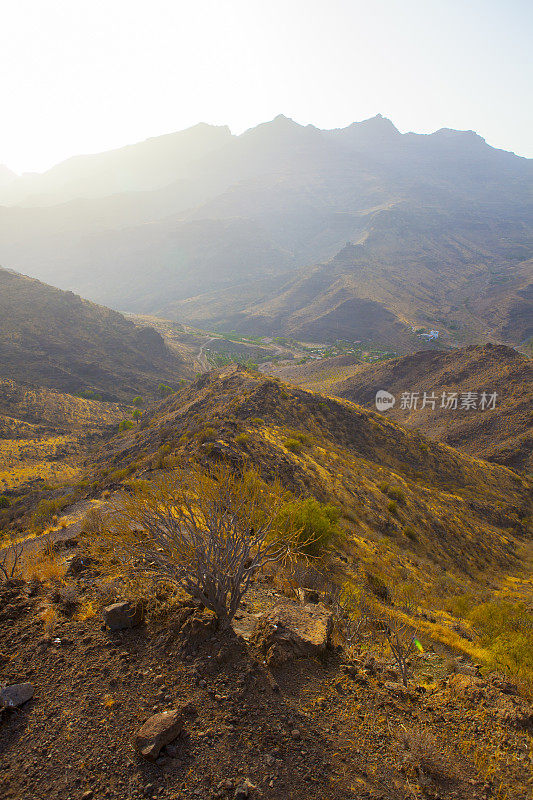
293,632
16,695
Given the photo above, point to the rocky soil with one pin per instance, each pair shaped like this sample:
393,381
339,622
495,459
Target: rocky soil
174,708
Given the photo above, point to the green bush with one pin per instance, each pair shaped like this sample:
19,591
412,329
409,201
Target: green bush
395,493
294,445
460,605
313,524
90,394
207,433
165,391
377,587
242,438
46,509
125,425
4,501
393,506
138,401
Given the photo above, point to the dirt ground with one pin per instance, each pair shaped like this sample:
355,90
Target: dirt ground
310,728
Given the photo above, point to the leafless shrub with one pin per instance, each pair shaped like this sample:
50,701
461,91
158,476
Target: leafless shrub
10,561
362,620
426,754
304,575
208,533
400,639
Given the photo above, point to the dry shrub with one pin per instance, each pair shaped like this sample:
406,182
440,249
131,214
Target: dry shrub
49,620
208,533
427,756
11,561
43,565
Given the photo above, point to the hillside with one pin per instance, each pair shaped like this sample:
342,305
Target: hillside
443,220
55,339
291,701
45,436
345,454
501,434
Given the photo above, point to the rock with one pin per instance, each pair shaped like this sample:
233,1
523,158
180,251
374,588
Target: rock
372,666
467,669
244,790
126,614
308,596
79,564
504,686
399,690
296,735
16,695
158,731
293,632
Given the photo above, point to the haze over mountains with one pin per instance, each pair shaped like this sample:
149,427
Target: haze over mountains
250,232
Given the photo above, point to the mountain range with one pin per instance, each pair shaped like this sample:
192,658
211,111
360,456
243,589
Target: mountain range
359,233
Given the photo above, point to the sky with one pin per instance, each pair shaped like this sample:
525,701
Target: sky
82,76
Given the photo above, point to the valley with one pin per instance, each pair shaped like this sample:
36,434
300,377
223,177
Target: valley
225,572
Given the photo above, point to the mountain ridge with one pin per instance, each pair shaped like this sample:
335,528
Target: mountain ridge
445,218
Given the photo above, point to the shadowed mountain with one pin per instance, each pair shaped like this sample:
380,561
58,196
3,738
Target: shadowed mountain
55,339
502,434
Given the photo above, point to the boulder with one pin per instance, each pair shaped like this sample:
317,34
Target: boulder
158,731
293,632
244,791
16,694
126,614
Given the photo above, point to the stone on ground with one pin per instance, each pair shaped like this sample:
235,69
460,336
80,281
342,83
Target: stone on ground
16,694
125,614
158,731
293,632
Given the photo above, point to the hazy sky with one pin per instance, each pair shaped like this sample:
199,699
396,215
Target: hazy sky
81,76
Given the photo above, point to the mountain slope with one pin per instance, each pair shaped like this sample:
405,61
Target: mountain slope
146,165
346,455
55,339
444,218
502,434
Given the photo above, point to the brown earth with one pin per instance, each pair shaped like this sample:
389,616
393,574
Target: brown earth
311,728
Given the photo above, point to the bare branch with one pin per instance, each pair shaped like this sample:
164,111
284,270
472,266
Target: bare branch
207,533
